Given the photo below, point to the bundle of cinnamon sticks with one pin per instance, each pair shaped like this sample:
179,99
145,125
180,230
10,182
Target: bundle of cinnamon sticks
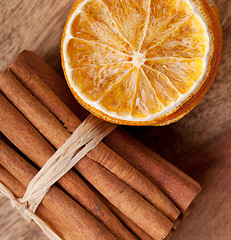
119,190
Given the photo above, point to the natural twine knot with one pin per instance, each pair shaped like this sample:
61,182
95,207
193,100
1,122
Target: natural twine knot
21,208
18,204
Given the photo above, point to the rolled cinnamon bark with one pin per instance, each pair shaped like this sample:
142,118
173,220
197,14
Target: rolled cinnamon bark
81,224
182,217
126,221
118,166
151,220
169,235
23,135
117,192
180,188
102,154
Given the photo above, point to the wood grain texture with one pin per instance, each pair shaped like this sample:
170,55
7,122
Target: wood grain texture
199,144
33,25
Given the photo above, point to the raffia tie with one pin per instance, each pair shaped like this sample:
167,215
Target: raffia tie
89,133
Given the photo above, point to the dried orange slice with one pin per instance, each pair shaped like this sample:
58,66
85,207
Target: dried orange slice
146,62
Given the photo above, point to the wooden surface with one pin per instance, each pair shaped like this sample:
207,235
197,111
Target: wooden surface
199,144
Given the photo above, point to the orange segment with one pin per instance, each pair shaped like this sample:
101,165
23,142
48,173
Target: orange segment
182,73
165,90
146,102
83,53
131,18
92,81
165,16
93,23
119,98
187,41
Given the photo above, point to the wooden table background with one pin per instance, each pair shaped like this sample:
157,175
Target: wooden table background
199,144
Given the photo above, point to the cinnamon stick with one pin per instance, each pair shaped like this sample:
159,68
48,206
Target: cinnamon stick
19,131
151,220
182,217
180,188
169,235
102,154
126,221
81,224
118,193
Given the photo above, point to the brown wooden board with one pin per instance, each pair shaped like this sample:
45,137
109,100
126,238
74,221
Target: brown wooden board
199,144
